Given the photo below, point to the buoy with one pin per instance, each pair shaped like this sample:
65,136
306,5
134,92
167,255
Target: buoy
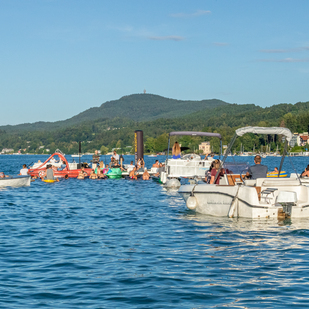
173,183
191,202
49,180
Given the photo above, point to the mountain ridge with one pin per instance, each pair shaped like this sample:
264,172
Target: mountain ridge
137,107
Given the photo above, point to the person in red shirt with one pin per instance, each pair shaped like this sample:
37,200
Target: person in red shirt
214,171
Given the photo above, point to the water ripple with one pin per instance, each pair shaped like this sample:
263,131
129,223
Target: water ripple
118,243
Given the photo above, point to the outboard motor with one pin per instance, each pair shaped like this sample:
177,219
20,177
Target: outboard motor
286,199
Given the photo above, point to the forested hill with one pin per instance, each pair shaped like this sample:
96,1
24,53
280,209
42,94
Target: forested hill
138,107
107,133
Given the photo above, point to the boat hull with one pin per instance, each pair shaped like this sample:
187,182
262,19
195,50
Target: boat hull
244,201
15,181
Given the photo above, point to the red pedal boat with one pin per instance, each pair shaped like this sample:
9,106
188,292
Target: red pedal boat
70,169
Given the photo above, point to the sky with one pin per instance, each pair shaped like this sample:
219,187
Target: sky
61,57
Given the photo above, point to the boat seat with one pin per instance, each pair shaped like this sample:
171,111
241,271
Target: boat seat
268,194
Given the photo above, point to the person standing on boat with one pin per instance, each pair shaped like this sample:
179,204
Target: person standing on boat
258,170
176,151
95,159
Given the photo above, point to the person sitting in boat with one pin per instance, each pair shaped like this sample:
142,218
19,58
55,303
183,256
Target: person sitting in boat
53,160
305,173
214,170
62,167
176,151
276,170
2,175
156,164
93,175
24,170
115,156
133,173
130,166
146,175
209,157
258,170
113,162
140,165
208,173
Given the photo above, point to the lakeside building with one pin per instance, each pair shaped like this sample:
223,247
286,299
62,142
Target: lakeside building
299,139
7,150
205,147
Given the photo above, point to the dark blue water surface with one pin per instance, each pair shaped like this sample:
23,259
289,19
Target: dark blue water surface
132,244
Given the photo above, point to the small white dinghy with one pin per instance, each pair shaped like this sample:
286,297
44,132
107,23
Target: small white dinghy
15,181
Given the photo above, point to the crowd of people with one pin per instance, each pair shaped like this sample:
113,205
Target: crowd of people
99,170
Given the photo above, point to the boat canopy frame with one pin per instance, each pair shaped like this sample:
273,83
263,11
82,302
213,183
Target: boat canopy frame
258,130
193,133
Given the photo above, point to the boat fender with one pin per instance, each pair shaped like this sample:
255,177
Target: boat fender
191,202
173,183
163,177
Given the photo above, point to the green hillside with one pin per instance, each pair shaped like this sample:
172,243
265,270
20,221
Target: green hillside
119,131
138,107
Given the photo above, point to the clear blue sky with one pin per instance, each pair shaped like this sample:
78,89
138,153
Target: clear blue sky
61,57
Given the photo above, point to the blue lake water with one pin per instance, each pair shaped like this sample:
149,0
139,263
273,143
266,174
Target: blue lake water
132,244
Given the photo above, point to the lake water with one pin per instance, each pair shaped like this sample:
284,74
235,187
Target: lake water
132,244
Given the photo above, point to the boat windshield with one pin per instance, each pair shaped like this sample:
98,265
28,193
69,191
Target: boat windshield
236,167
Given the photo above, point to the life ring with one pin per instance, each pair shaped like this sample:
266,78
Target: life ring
275,174
41,173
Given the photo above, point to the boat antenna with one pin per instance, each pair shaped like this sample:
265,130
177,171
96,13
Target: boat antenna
79,151
283,156
228,150
168,148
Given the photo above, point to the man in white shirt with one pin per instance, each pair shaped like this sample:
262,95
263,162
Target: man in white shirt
116,156
24,170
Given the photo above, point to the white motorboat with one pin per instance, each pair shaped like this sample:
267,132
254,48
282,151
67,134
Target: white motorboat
76,155
259,198
189,165
15,181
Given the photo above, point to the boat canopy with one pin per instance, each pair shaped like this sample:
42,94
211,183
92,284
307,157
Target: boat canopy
265,130
196,133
